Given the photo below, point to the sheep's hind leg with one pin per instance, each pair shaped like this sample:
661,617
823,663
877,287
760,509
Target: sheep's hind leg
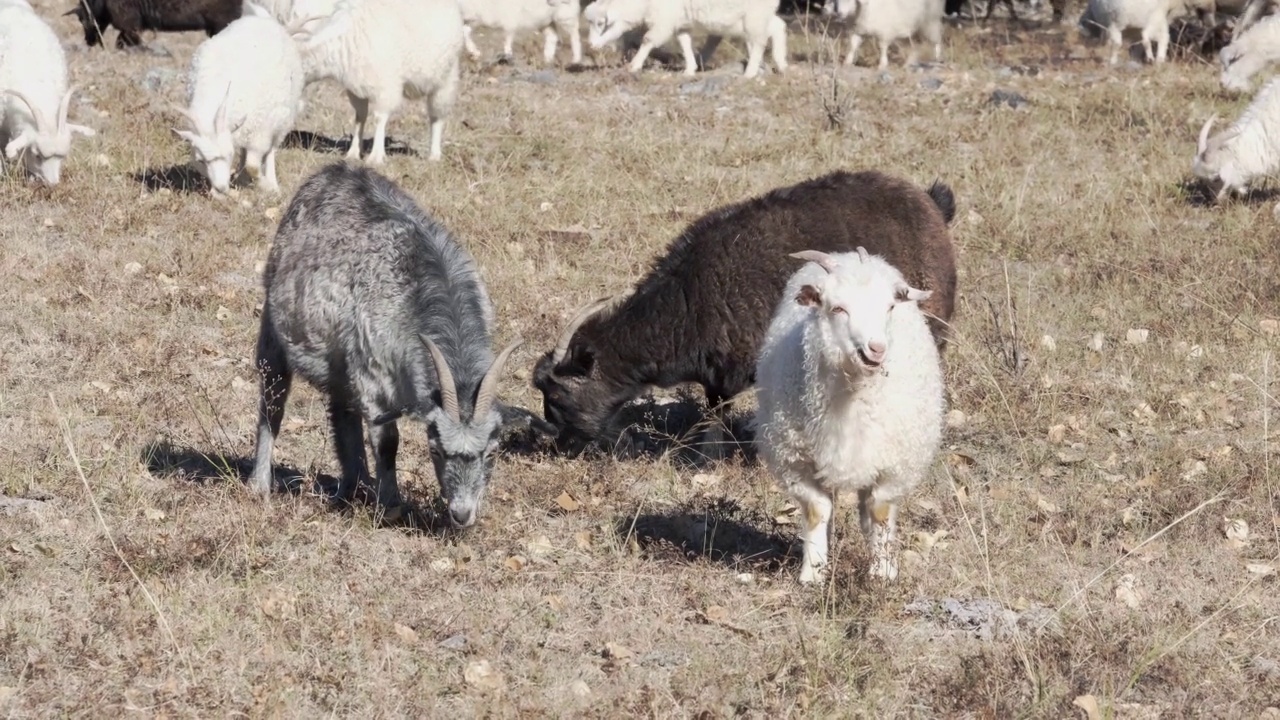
550,41
879,520
273,392
755,56
439,105
252,164
1116,39
378,155
884,55
269,182
855,42
778,43
361,106
815,532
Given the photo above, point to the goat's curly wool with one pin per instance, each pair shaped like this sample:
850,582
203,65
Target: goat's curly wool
849,387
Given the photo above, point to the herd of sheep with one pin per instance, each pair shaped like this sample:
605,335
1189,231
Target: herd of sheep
839,321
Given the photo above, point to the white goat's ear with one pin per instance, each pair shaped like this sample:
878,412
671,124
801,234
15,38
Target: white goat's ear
81,130
903,292
809,296
18,144
186,135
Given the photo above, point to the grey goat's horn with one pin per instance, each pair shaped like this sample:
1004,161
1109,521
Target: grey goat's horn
448,391
489,385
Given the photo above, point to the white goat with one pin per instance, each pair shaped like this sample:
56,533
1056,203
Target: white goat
887,21
1250,13
756,21
1256,48
245,87
1150,16
34,97
383,51
1248,149
849,387
514,16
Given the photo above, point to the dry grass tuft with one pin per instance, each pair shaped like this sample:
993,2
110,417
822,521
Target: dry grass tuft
1100,525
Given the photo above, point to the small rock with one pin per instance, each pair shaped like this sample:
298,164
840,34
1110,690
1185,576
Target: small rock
579,689
884,78
1013,99
1136,336
931,83
542,77
1269,326
956,419
454,642
157,78
710,85
1048,344
745,578
103,160
1097,341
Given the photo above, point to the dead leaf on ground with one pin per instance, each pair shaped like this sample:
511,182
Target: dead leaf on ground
7,692
515,563
717,615
567,502
1128,593
406,633
1237,532
277,605
154,514
617,656
481,675
1045,506
1089,704
582,539
1261,569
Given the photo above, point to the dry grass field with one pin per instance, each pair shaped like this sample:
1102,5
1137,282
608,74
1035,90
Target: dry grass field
1099,538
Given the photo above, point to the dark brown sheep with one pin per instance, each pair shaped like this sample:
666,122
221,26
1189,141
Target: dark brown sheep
131,17
702,311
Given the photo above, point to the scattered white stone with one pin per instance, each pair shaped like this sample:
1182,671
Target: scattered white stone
1136,336
1048,344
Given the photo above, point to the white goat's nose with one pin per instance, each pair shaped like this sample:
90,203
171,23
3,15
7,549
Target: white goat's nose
875,349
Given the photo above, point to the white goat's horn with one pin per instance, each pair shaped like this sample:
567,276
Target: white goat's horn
489,385
448,391
220,120
64,108
862,254
825,261
1202,144
585,314
42,122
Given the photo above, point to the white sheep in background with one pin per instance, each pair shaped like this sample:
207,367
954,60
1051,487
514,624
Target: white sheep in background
849,387
1256,48
515,16
1151,17
383,51
887,21
34,97
244,91
756,21
1250,148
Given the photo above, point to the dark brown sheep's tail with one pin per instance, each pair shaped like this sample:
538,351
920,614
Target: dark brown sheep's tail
944,199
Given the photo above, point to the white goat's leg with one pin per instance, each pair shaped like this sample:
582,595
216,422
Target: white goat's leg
378,155
550,40
778,43
1116,39
1162,41
269,182
361,106
252,164
685,40
879,520
755,56
913,53
1147,32
815,509
884,54
575,41
509,44
470,43
855,42
647,45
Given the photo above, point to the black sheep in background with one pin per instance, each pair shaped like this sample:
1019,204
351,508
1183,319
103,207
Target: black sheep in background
131,17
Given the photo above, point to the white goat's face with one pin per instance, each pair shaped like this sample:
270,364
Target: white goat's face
213,156
854,303
45,144
608,21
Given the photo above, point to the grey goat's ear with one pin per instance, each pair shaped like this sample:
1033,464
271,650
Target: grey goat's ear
518,416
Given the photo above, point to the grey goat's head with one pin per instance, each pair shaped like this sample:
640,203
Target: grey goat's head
462,448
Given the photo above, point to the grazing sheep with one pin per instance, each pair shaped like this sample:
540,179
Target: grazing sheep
1150,16
700,313
374,302
756,21
383,51
245,87
850,398
1253,50
131,17
887,21
34,97
1249,149
514,16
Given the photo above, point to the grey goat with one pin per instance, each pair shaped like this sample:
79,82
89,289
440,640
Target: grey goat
373,302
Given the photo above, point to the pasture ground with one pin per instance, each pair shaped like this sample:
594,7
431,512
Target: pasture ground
1101,531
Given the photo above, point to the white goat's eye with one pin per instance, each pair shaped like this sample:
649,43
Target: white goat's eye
839,310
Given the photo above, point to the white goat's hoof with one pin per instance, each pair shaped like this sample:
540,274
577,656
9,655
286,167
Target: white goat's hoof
810,575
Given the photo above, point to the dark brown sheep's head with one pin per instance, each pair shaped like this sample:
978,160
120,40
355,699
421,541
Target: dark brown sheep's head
92,15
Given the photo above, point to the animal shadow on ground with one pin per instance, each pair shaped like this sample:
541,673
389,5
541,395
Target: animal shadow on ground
716,529
315,142
1199,194
164,459
176,178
